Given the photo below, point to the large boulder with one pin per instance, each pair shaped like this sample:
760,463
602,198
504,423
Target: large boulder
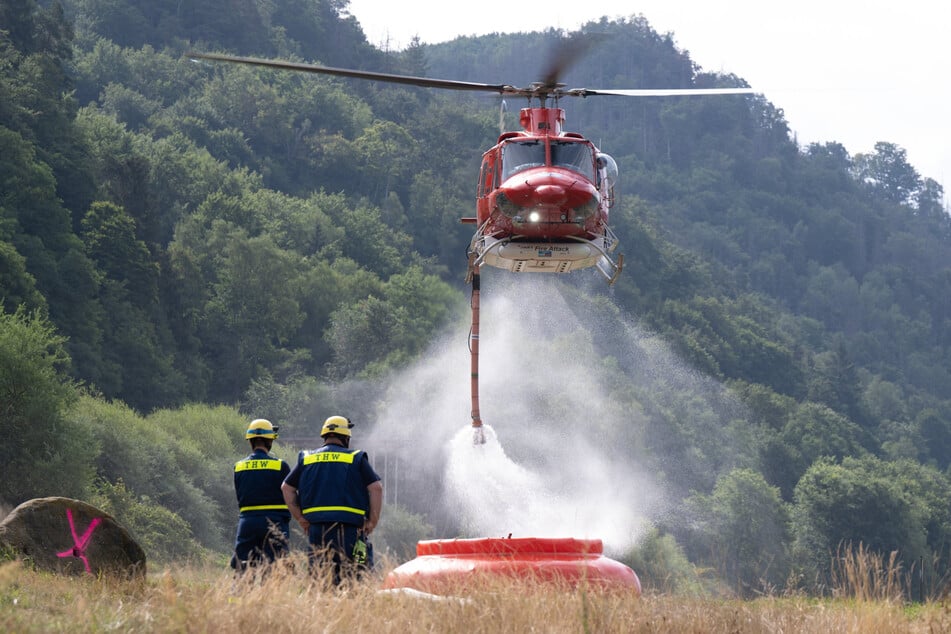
71,537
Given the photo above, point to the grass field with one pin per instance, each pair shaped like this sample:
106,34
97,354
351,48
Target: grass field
209,599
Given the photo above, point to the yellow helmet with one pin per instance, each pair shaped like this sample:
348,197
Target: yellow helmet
261,428
339,425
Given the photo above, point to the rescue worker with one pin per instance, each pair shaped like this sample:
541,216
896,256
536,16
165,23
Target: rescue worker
336,497
263,516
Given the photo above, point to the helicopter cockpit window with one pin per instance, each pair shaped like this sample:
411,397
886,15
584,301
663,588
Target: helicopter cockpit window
574,156
521,155
608,167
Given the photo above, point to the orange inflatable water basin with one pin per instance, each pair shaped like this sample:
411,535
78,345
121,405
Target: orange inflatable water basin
448,566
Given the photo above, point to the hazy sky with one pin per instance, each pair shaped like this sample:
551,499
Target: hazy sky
852,71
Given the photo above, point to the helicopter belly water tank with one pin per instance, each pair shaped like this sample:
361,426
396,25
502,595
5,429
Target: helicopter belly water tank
540,257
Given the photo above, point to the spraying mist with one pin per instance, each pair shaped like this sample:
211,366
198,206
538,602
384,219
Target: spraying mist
564,436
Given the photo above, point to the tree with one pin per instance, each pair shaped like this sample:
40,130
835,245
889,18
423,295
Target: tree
428,301
142,369
930,202
744,527
17,286
814,431
51,456
766,406
35,222
252,310
110,238
835,383
371,243
381,332
435,228
935,430
370,331
888,171
855,501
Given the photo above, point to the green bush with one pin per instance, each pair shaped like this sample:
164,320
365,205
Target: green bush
161,533
661,565
181,460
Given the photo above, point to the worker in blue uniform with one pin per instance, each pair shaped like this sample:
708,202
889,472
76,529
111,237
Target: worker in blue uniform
336,497
263,515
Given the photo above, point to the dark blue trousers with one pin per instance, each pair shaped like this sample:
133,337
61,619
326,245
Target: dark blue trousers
260,539
332,543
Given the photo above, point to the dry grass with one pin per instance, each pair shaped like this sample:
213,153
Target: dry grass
194,599
865,575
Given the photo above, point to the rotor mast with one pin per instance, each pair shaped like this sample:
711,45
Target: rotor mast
542,121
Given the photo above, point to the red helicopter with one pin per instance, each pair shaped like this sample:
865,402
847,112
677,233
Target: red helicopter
543,196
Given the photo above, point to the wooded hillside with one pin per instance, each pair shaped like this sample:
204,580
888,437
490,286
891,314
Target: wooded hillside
185,245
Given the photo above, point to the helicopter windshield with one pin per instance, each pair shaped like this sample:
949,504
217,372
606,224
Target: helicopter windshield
575,156
521,155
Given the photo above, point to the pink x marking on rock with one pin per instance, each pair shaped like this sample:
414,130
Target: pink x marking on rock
79,543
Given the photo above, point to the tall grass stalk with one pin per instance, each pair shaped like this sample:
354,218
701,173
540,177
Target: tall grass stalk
864,575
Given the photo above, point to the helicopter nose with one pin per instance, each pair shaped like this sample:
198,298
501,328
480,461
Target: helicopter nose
551,195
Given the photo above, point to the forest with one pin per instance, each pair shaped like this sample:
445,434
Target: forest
185,246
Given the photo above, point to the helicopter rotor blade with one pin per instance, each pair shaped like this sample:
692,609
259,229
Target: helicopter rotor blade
424,82
566,53
659,92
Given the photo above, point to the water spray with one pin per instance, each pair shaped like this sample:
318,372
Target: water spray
560,458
